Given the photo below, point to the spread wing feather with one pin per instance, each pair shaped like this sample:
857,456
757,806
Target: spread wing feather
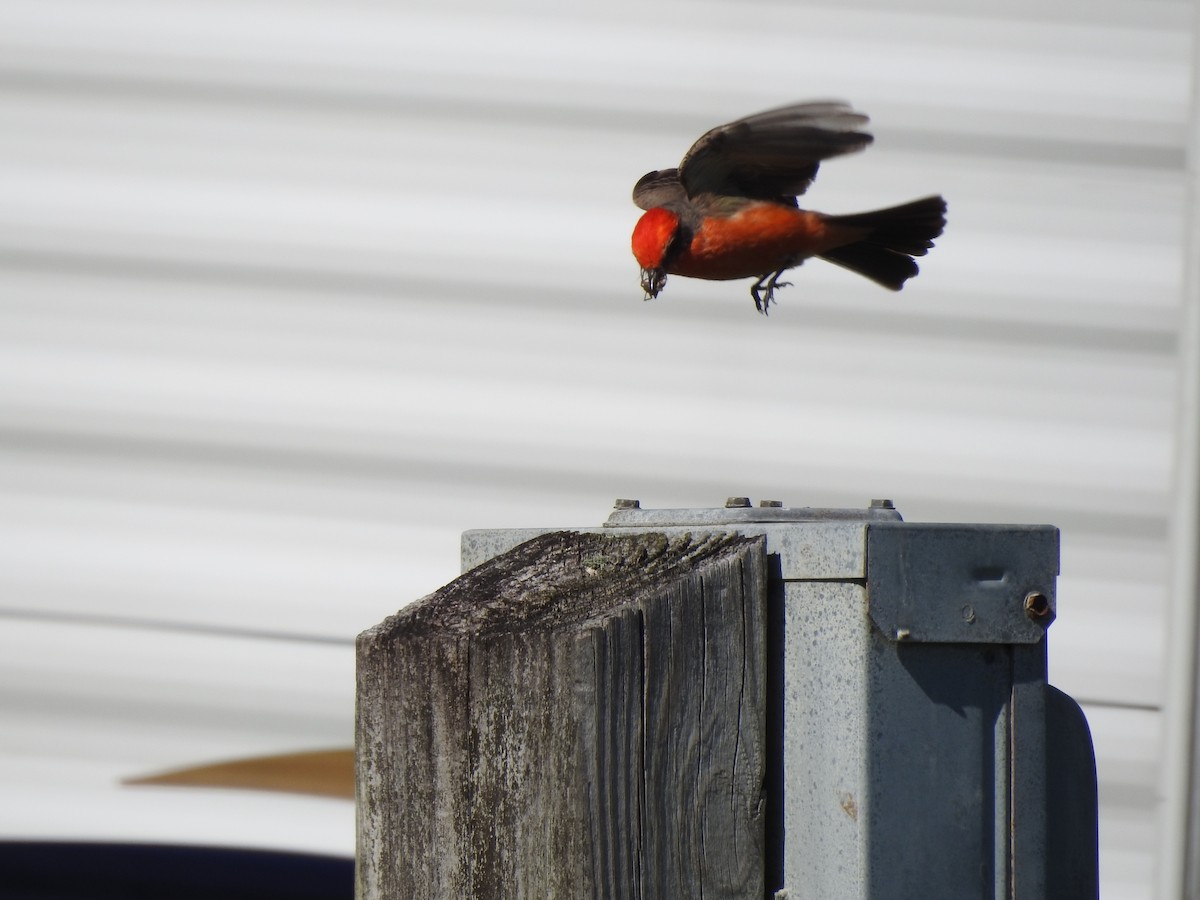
772,155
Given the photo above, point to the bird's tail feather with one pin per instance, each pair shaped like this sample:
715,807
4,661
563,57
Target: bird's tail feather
893,237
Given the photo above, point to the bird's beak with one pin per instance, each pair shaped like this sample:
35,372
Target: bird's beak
653,281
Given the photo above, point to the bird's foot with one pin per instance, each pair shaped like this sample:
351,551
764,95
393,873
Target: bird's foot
763,291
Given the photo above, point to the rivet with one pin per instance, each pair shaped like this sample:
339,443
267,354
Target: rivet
627,504
770,503
882,504
737,502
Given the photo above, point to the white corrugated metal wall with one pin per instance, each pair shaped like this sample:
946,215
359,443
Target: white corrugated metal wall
293,293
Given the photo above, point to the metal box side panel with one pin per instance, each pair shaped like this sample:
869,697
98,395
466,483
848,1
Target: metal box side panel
937,810
825,720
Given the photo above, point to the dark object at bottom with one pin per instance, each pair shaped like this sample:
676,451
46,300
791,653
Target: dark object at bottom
38,870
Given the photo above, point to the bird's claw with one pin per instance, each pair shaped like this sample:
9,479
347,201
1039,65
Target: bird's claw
763,300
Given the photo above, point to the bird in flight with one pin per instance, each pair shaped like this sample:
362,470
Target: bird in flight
729,211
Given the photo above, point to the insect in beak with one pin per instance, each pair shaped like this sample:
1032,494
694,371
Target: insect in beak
653,281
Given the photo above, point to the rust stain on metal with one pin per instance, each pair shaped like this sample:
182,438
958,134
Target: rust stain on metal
849,807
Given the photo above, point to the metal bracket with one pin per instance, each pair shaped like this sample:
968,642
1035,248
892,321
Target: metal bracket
969,584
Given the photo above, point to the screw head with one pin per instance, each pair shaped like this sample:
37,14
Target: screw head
627,504
737,502
882,504
773,504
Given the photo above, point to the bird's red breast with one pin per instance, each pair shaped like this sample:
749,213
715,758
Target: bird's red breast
761,238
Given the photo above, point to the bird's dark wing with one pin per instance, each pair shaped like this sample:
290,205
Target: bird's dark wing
773,154
661,188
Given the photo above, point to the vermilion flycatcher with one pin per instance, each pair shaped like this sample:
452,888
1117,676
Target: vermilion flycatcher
729,210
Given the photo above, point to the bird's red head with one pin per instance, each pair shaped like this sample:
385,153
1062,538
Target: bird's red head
652,237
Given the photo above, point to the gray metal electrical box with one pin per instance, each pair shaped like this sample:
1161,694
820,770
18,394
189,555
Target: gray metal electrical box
915,747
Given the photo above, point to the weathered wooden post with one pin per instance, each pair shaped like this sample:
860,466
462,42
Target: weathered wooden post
580,717
738,702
